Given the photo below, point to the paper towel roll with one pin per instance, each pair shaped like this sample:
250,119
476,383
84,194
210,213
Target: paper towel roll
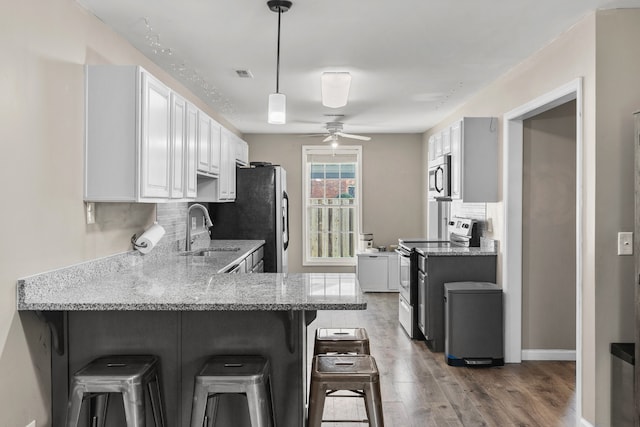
150,238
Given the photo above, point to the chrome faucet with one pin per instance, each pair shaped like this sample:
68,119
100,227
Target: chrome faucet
207,222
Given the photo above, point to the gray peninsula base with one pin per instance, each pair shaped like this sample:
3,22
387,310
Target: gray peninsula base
183,340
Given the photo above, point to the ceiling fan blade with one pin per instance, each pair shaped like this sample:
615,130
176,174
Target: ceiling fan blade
348,135
327,139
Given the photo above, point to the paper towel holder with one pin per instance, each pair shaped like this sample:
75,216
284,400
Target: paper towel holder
135,245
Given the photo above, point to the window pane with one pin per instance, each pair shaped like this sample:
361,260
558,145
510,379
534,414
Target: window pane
331,212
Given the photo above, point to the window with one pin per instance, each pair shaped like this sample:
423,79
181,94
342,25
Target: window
332,202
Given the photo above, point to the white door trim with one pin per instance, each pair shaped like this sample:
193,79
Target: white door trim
512,193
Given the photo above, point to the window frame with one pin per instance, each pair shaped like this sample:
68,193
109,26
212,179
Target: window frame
353,150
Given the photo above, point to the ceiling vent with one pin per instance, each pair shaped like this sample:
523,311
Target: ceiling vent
244,74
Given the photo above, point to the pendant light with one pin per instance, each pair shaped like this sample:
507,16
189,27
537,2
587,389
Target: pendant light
278,101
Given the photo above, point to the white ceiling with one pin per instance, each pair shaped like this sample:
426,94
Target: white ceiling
412,61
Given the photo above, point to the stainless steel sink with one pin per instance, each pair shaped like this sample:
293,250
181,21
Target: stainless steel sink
210,251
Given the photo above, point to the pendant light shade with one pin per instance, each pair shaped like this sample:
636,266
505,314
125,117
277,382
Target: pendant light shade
277,109
277,114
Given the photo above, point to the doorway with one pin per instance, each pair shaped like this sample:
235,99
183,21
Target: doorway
549,235
512,261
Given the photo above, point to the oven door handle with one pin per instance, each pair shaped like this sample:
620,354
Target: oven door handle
402,253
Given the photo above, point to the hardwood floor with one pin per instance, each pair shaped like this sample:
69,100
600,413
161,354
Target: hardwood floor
419,389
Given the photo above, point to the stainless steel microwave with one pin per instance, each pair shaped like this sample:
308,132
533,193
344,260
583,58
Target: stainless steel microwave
440,178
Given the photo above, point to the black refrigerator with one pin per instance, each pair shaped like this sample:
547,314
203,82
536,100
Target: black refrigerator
260,212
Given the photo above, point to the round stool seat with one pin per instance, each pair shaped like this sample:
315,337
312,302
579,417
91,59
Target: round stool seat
341,340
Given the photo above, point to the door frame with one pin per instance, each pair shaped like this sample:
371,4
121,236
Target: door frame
512,194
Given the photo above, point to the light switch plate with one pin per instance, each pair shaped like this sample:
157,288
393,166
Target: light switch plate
625,243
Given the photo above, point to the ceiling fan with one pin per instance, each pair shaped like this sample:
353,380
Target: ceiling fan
334,130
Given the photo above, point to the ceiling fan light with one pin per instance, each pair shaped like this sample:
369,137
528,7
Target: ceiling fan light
335,88
277,109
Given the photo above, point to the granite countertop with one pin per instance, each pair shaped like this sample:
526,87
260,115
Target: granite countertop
457,251
176,282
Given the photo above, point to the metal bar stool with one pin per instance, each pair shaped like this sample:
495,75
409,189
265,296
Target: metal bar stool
128,375
342,340
233,374
356,373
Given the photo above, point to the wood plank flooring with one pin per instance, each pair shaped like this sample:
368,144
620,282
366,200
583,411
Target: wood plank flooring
419,389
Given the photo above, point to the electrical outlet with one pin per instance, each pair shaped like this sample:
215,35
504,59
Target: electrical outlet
31,424
90,212
625,243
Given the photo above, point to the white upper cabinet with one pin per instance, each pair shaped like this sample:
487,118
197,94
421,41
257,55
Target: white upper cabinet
208,145
178,146
446,141
242,152
146,143
155,156
191,139
227,178
438,145
474,159
223,187
128,155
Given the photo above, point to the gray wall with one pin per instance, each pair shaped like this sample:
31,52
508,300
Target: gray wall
391,193
549,232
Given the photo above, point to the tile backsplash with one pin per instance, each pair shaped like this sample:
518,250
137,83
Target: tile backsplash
173,217
477,211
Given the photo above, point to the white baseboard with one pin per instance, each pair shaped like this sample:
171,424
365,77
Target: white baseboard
585,423
549,355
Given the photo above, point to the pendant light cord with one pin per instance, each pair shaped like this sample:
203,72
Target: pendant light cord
278,54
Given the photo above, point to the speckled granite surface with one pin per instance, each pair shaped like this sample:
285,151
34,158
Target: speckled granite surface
172,281
457,251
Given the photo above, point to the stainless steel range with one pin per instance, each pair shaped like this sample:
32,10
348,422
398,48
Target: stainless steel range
462,232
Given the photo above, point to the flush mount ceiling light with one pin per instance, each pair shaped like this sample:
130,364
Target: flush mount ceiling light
335,88
278,101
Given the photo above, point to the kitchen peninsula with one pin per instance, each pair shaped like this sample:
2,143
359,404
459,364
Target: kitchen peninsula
179,308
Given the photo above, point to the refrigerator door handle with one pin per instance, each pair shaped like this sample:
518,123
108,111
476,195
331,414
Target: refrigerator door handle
285,219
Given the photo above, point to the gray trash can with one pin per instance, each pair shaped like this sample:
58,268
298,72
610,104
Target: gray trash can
622,379
474,332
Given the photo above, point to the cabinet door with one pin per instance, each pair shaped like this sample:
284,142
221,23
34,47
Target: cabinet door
446,141
438,145
216,135
432,147
178,146
204,142
225,157
422,303
456,160
155,148
242,152
191,164
372,272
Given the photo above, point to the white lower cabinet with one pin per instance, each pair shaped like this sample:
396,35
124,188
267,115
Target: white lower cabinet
378,271
252,263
